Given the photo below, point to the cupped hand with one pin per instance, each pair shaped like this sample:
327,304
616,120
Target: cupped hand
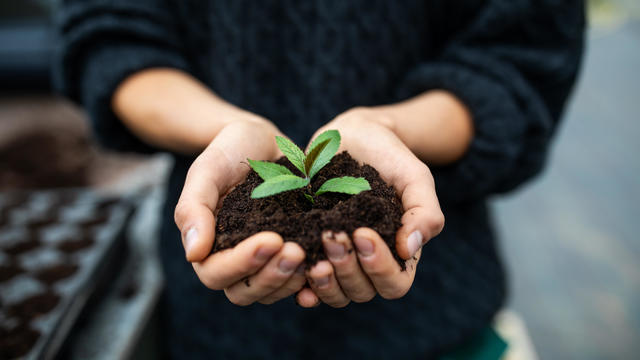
260,268
368,135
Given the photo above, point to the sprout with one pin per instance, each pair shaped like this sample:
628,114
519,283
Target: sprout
278,178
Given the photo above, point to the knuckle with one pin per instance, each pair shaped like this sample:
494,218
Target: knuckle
436,223
394,293
270,285
346,272
210,282
378,271
267,301
363,297
236,298
293,287
340,303
423,172
180,213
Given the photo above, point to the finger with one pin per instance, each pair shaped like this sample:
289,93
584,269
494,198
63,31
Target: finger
269,278
212,174
353,281
380,266
194,211
324,284
229,266
307,298
423,218
293,285
207,178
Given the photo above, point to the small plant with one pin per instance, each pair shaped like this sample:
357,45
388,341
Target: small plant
278,178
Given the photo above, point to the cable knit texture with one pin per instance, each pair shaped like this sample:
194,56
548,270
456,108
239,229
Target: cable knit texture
300,63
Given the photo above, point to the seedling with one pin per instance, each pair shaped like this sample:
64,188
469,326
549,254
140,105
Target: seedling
278,178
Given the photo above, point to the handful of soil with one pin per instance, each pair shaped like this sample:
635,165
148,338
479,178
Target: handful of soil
296,219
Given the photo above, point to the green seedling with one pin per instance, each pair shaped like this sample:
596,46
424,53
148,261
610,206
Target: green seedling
278,178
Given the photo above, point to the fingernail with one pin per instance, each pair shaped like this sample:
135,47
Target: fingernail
287,266
320,282
190,239
364,246
414,242
264,254
335,250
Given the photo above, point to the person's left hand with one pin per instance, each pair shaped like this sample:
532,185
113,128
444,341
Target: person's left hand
367,133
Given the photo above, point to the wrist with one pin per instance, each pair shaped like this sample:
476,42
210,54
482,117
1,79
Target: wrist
170,109
435,125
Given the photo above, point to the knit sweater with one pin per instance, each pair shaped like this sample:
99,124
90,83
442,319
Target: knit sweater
299,64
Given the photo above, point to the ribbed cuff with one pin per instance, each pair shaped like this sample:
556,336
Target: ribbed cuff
95,56
104,70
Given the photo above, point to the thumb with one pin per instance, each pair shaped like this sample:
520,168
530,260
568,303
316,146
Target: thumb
194,211
423,218
197,228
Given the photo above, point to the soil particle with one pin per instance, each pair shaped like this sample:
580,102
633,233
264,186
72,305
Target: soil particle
7,272
28,244
44,160
34,306
17,342
73,245
55,273
43,221
98,219
296,219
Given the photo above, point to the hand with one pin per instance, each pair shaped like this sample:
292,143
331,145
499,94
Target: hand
359,275
260,268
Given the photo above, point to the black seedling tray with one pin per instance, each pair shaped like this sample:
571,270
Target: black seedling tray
56,248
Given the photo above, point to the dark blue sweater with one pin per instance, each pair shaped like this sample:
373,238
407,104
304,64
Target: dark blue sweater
300,63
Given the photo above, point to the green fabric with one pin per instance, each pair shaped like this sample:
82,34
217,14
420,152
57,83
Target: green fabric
486,346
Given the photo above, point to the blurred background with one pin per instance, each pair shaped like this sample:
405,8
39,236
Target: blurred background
569,237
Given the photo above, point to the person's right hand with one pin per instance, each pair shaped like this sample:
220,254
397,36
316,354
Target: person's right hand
260,268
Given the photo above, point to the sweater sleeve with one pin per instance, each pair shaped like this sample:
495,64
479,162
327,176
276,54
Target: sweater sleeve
102,43
513,65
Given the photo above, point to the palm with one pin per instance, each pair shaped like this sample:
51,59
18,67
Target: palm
359,279
263,258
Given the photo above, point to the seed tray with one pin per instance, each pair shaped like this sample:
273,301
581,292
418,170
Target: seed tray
56,250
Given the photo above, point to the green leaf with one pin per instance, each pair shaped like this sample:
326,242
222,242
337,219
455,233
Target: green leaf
310,198
266,170
329,150
345,184
292,152
312,155
278,184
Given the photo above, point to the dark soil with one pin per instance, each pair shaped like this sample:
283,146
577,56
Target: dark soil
43,159
73,245
55,273
34,306
17,342
43,221
98,219
28,244
7,272
292,216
